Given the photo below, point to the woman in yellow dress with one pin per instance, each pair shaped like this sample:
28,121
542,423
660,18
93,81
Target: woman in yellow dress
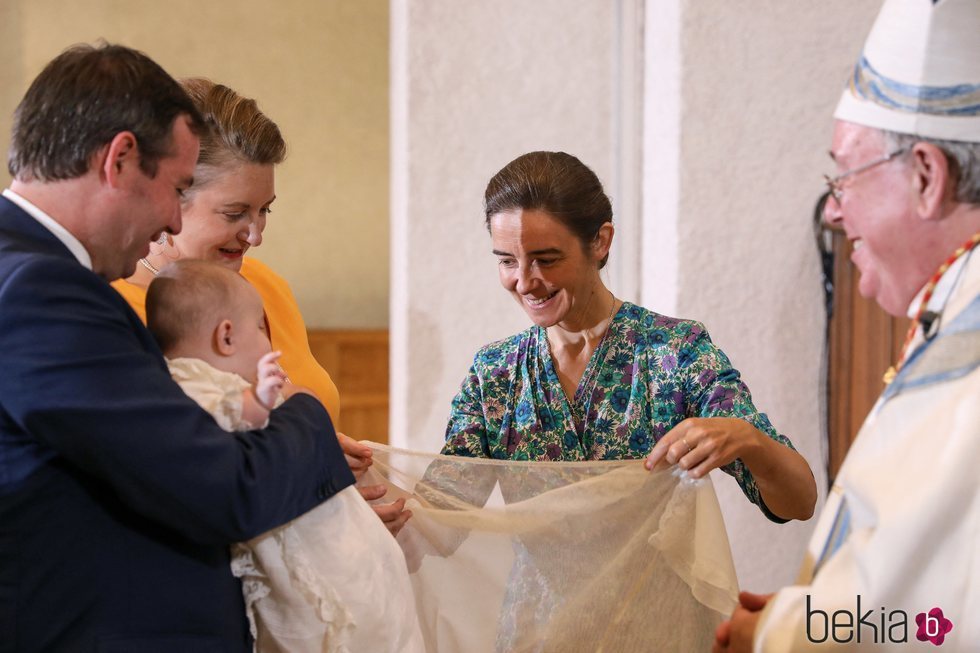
224,214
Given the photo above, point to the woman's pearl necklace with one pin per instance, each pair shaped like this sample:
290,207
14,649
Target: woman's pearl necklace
146,264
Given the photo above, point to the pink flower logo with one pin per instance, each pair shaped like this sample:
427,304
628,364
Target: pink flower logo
933,626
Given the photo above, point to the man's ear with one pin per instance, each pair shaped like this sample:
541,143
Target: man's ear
121,155
931,180
224,340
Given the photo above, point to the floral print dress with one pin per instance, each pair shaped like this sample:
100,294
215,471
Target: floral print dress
649,373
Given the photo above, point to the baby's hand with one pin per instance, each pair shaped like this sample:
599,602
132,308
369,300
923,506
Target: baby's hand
270,379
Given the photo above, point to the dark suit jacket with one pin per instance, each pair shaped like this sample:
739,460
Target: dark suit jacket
119,496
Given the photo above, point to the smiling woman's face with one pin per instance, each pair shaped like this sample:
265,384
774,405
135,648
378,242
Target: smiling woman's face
544,266
222,220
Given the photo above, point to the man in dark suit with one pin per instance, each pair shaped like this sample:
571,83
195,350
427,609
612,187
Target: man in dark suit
119,496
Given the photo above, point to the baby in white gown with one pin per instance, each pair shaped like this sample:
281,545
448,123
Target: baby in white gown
333,579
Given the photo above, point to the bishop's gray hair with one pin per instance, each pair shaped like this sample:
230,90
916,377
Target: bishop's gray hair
963,158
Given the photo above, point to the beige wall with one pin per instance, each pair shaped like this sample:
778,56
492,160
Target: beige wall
319,69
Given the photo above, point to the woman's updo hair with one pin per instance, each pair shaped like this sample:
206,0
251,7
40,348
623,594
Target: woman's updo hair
556,183
236,130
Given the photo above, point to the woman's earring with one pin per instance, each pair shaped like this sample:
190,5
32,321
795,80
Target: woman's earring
165,247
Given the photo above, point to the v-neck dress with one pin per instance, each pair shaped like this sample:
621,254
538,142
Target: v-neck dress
649,373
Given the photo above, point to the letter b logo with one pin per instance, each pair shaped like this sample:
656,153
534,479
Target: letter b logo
933,626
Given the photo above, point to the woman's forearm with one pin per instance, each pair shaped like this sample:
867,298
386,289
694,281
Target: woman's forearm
783,477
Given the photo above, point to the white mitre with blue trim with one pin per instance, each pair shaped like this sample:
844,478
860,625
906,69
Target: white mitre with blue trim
919,72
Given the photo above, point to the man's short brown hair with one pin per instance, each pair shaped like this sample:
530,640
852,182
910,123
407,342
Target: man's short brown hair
82,99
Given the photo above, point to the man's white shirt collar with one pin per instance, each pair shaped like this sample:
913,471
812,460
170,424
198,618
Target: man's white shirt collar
73,244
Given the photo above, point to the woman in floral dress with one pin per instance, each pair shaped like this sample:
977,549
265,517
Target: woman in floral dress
596,378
